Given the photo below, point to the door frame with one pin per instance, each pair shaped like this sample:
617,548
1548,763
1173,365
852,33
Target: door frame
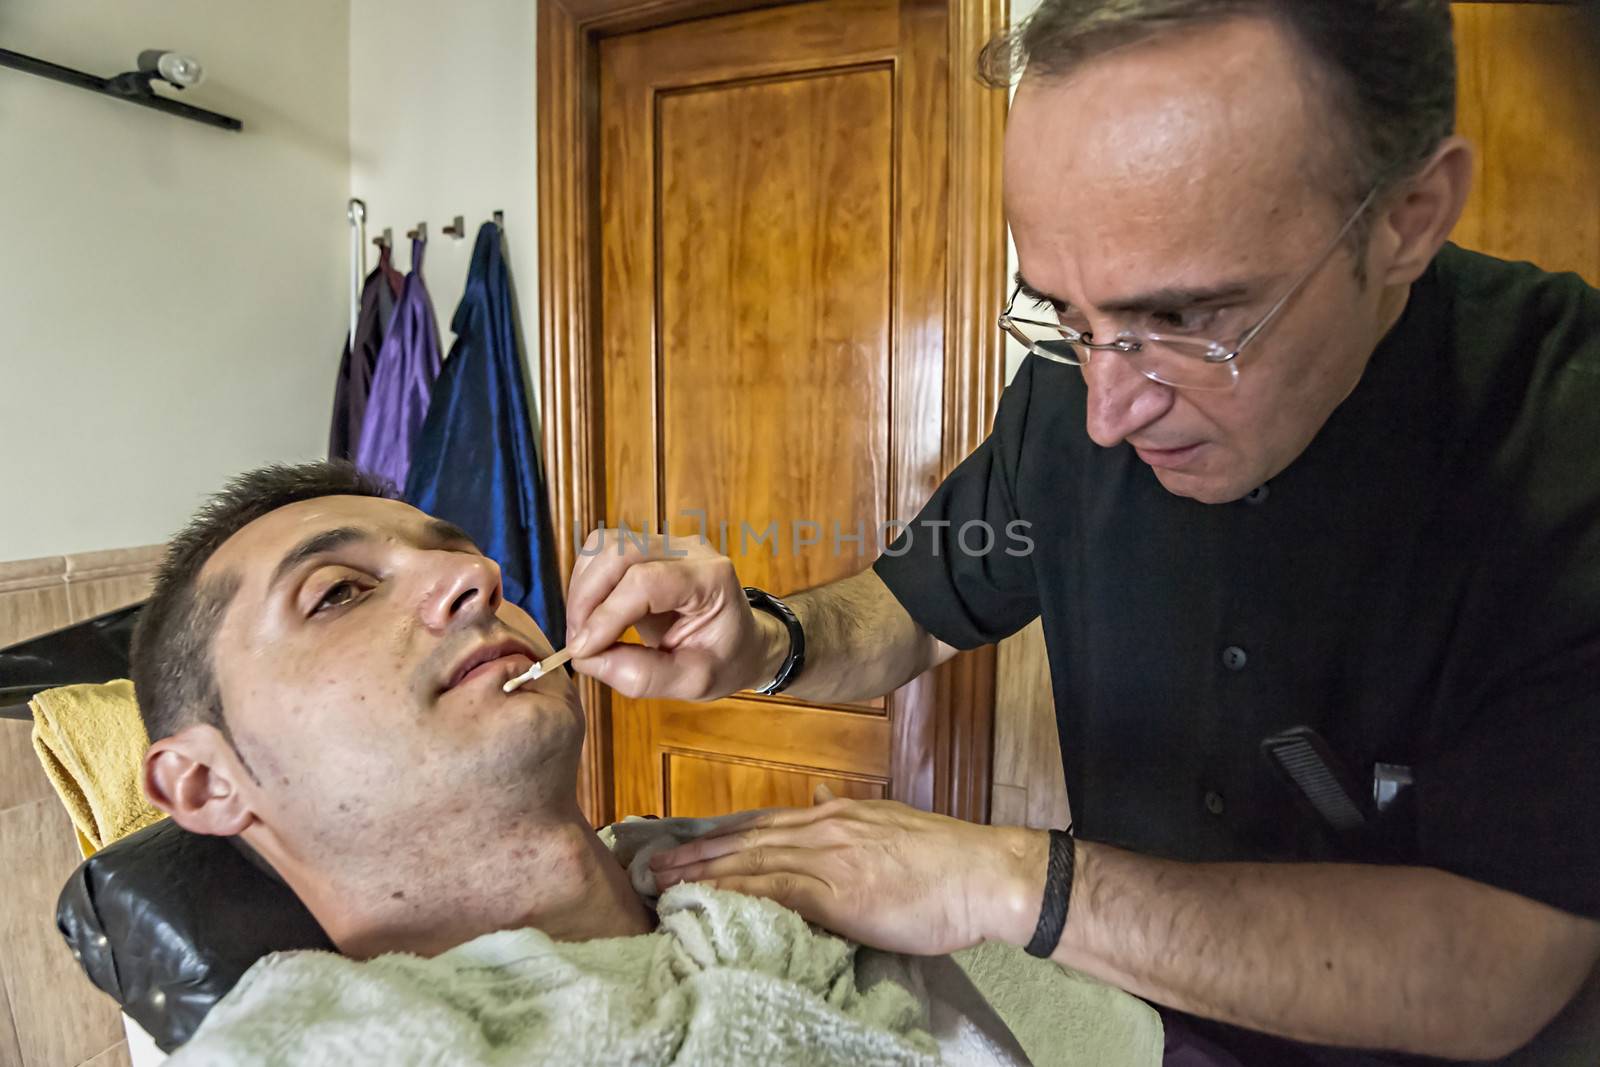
943,735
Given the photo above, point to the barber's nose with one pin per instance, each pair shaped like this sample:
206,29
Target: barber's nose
1121,401
465,589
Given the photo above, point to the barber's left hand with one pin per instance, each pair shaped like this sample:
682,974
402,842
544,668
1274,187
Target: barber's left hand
877,872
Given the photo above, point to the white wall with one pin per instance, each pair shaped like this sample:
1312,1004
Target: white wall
1015,353
443,122
172,297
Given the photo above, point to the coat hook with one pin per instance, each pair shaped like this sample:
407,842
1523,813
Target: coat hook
457,228
500,219
385,239
420,233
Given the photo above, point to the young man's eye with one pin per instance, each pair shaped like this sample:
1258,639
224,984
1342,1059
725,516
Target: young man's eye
338,595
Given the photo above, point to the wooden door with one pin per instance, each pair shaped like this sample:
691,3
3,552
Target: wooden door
774,256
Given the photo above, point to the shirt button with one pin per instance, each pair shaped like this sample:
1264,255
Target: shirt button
1233,658
1214,802
1258,495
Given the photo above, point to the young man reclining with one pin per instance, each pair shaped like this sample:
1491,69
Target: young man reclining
320,670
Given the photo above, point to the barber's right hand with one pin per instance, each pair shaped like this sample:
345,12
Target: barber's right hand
702,640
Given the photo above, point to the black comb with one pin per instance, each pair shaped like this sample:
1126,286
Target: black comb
1306,762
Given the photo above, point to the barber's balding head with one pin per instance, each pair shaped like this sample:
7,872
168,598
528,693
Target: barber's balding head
1174,168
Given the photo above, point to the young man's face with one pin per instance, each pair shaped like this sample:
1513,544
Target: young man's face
1200,161
360,664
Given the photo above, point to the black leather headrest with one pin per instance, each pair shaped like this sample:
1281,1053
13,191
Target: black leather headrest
167,921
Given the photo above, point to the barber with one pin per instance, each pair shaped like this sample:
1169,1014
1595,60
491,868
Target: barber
1287,462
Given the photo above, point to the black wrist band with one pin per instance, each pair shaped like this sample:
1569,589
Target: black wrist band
795,661
1057,894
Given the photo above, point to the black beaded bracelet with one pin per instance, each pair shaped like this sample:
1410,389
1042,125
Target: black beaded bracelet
1057,894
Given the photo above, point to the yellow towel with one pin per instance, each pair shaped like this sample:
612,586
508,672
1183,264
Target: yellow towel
91,742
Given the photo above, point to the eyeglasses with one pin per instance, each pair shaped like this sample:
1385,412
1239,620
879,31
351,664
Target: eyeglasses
1183,362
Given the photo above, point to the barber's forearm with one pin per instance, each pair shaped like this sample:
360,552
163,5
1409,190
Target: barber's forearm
1410,959
860,643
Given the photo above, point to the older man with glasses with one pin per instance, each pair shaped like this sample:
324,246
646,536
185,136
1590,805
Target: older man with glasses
1313,504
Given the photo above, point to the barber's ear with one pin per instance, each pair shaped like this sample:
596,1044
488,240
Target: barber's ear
195,776
1413,227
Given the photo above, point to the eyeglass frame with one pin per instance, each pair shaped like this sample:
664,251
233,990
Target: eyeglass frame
1217,354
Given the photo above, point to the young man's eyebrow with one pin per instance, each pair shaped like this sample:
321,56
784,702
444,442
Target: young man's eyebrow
316,545
445,532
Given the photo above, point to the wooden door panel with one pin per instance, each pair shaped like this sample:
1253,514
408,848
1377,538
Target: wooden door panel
788,731
701,785
769,42
1530,91
763,733
775,219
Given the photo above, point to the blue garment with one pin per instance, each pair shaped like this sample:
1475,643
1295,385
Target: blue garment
402,382
474,462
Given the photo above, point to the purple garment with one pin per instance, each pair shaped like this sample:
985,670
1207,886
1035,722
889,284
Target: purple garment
360,358
402,382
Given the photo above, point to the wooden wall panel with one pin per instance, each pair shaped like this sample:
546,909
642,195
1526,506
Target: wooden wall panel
1530,102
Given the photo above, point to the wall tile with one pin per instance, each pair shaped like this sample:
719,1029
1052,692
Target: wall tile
98,582
114,561
115,1056
21,778
31,573
100,595
60,1018
10,1051
30,611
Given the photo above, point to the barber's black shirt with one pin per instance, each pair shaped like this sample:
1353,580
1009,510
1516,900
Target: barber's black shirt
1421,587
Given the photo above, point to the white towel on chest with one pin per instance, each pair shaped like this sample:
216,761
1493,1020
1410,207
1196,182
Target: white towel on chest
725,979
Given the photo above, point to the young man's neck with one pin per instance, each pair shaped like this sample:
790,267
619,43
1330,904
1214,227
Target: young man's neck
554,876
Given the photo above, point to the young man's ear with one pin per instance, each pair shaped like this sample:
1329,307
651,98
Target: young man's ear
1418,222
195,776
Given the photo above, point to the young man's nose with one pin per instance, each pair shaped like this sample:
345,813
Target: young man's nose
465,588
1121,401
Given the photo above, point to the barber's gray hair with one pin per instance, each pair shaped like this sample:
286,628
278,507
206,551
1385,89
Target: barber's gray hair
1388,66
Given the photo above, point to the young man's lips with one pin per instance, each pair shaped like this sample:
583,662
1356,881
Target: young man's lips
505,658
501,668
1170,458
